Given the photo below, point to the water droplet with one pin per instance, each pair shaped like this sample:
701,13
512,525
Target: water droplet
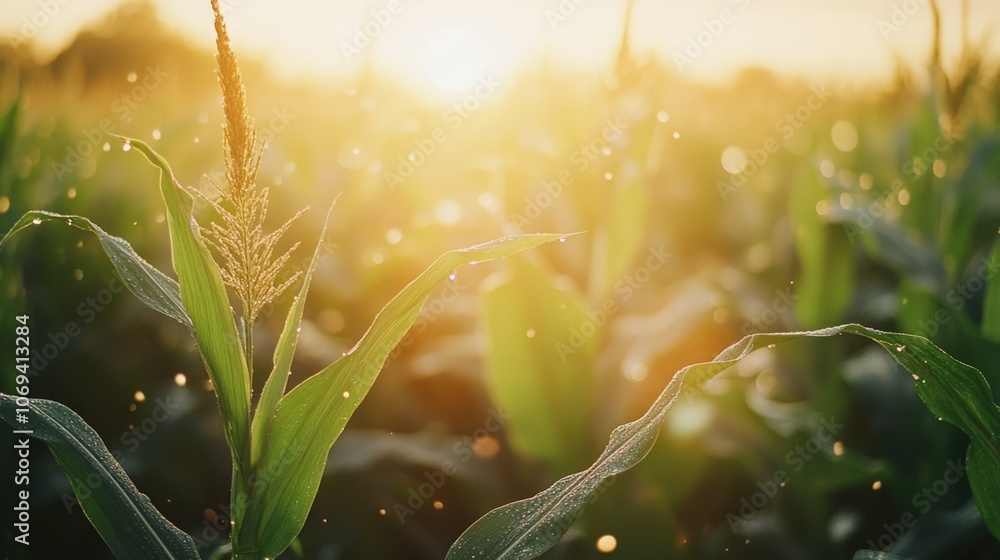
531,333
608,176
126,145
107,147
562,239
916,377
453,276
156,134
606,151
663,116
900,348
772,345
36,221
347,394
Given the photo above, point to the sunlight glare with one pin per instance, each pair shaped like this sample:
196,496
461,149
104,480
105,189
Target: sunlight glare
455,59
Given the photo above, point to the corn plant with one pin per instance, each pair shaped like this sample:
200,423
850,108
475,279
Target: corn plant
279,447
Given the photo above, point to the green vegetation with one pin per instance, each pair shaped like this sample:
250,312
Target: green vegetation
878,207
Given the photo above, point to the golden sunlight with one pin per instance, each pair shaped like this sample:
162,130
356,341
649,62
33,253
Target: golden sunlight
455,59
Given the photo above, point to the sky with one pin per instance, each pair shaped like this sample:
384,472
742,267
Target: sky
449,44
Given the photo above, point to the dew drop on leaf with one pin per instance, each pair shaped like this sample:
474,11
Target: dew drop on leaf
452,276
126,145
900,348
36,221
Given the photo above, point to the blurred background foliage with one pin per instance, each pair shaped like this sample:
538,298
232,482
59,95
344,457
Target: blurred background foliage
881,208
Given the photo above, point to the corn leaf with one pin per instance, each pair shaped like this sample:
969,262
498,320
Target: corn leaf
152,287
991,302
540,347
876,555
124,517
951,390
204,297
826,282
309,419
274,388
620,239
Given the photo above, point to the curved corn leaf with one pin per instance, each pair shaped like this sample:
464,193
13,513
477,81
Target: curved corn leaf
274,388
152,287
124,517
204,296
310,418
951,390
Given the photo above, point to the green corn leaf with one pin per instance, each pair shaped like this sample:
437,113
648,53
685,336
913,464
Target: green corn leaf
274,388
309,419
124,517
539,355
620,239
826,282
991,302
152,287
951,390
876,555
888,242
204,297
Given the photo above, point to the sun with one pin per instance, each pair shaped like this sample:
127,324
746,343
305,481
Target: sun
455,59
